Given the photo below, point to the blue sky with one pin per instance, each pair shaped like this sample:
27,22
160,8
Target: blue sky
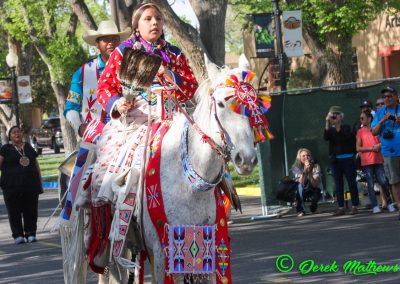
182,7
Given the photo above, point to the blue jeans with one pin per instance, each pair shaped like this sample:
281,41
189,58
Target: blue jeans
345,167
314,196
299,198
379,172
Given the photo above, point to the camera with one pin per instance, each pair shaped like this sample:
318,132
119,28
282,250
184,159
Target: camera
391,117
388,134
333,116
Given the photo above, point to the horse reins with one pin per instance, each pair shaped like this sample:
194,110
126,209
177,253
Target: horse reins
221,151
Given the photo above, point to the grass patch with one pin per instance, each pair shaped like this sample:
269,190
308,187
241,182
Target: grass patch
252,180
49,165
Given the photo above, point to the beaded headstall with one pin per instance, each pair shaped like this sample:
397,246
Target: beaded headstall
246,101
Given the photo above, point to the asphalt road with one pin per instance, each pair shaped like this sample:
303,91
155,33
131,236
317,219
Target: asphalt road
255,246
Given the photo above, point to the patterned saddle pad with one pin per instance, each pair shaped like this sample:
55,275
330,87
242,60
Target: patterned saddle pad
191,249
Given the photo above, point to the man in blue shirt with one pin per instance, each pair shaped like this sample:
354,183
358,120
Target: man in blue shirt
386,124
82,106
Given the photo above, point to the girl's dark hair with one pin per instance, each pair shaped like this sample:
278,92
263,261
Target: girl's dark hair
137,13
11,129
368,114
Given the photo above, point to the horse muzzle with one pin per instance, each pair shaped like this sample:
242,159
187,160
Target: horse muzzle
244,161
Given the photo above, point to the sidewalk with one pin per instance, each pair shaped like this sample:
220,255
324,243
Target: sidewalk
251,197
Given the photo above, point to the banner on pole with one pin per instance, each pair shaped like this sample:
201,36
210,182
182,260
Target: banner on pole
5,92
292,33
263,35
24,90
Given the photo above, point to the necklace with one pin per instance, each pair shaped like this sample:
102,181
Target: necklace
24,160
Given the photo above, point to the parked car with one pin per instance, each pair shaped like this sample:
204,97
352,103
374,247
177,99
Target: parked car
48,135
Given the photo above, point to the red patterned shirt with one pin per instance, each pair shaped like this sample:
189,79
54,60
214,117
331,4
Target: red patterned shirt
109,87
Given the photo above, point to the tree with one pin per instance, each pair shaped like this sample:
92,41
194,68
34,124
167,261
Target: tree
328,28
49,26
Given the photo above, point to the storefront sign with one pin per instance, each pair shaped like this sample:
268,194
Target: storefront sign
392,21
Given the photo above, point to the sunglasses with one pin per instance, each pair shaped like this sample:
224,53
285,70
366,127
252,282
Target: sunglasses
362,118
380,104
387,96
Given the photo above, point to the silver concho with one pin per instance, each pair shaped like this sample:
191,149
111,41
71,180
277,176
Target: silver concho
24,161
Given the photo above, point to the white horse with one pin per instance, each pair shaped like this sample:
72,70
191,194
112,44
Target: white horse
183,205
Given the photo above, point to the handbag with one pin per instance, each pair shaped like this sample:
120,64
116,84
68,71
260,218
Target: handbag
287,189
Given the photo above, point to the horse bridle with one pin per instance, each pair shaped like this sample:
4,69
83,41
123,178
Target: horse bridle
222,151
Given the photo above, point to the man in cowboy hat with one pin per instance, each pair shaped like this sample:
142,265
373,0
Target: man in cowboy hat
82,106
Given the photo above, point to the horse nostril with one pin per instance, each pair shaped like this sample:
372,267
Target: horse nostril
238,159
254,161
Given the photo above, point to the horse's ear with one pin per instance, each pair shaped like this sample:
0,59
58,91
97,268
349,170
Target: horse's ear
212,69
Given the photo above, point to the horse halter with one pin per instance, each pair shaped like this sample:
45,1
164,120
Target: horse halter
223,151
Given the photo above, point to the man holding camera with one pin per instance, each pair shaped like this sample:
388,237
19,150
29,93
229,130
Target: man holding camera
342,148
386,124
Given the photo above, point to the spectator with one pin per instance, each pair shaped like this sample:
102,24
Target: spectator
82,106
386,124
366,106
308,174
379,104
368,147
21,183
342,147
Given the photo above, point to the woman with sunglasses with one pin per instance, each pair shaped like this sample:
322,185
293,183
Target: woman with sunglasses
380,103
368,147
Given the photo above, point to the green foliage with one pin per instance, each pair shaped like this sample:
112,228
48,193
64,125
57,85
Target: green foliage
233,30
342,18
242,181
301,78
42,91
65,57
3,53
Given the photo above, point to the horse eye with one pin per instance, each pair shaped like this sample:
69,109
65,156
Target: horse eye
221,104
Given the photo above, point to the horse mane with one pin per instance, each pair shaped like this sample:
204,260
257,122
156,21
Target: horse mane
202,92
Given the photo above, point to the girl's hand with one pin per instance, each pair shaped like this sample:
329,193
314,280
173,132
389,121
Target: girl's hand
123,105
163,72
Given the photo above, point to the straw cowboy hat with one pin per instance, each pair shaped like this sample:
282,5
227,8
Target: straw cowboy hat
105,28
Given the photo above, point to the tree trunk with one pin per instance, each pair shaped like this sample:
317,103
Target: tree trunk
187,37
81,10
211,15
67,131
338,53
331,61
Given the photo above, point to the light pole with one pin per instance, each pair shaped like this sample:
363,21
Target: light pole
12,61
282,77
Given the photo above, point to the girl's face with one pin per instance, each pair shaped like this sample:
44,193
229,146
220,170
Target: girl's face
150,25
364,119
304,156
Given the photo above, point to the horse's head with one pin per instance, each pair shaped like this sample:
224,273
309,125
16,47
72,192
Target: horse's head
236,105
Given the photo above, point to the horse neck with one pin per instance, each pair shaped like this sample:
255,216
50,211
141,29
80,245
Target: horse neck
206,162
